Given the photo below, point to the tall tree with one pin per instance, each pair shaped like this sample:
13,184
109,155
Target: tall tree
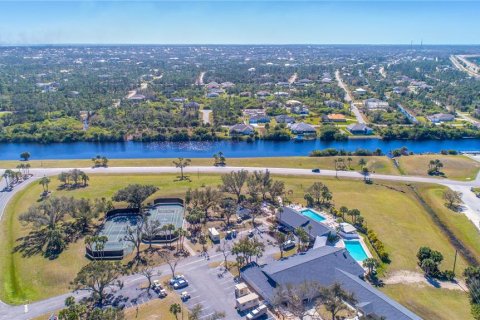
25,155
334,298
234,182
182,163
44,182
134,235
99,277
135,194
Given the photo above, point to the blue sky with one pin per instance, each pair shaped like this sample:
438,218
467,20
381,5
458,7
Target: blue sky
247,22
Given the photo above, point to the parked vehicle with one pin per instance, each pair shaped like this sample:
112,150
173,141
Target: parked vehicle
258,312
162,293
180,284
214,235
289,244
156,286
184,296
176,278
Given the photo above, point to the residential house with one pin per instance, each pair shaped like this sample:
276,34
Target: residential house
334,104
241,129
259,119
302,128
360,92
359,128
283,118
325,266
375,104
301,110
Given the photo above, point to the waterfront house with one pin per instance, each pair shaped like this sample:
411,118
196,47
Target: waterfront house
241,129
302,128
359,128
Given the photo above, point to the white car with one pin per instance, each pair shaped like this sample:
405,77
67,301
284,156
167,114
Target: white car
176,279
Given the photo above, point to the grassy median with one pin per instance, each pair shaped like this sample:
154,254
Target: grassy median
378,164
454,167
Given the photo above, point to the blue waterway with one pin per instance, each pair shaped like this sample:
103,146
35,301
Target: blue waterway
82,150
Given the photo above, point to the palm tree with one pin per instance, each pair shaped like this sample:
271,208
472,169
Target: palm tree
343,211
84,178
349,159
44,182
8,175
182,163
175,309
370,264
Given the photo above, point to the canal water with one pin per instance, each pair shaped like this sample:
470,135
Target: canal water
87,150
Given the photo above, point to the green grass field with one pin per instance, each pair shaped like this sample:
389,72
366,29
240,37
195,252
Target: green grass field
431,303
389,208
455,167
377,164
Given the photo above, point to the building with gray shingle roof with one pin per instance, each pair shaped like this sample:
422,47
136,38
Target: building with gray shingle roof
326,266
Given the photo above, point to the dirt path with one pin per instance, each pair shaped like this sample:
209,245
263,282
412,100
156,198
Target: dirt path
410,277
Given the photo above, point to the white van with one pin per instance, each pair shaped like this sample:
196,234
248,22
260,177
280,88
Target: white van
214,235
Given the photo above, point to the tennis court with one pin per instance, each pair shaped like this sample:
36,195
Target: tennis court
115,226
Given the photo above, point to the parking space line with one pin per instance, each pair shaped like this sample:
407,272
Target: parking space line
206,315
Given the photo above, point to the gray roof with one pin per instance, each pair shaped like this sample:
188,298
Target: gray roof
326,266
294,219
283,118
241,128
302,127
358,127
316,265
371,300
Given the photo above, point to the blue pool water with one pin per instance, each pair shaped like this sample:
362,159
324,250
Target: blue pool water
312,215
355,249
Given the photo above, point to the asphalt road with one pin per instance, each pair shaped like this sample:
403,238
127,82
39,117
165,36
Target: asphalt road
349,99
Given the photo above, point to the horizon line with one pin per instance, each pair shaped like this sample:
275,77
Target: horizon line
235,44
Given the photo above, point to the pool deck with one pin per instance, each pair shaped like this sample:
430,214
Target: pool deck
332,223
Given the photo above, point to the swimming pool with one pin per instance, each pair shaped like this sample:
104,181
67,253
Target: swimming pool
309,213
354,247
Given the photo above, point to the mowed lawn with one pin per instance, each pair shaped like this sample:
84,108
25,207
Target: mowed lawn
389,208
35,277
457,222
431,303
454,167
378,164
